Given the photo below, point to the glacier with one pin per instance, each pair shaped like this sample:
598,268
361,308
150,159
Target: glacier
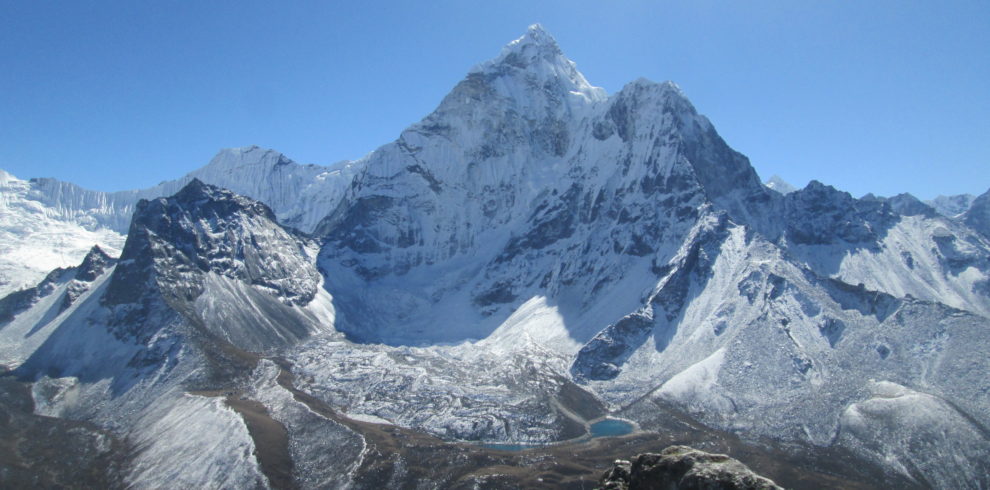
532,256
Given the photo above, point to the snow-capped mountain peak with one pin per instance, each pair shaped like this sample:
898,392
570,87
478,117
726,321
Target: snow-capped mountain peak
535,40
230,159
536,61
780,185
94,264
5,177
529,236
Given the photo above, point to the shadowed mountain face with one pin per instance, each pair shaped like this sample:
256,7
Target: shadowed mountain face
978,214
531,256
204,250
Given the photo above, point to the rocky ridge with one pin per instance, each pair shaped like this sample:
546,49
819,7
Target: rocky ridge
532,255
682,467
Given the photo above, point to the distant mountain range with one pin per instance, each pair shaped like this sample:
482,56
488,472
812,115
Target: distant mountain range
532,256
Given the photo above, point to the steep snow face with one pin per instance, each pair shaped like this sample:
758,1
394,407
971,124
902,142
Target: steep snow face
205,264
194,442
905,204
535,61
201,271
37,234
625,237
299,195
750,333
29,316
78,278
204,276
642,250
529,234
525,182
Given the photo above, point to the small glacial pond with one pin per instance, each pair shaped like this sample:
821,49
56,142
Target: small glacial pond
610,428
602,428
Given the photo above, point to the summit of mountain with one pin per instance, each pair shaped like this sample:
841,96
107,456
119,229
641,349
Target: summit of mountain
532,255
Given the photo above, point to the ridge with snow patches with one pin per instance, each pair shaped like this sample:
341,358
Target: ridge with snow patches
532,256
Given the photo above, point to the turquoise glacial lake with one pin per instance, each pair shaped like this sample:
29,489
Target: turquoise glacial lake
610,428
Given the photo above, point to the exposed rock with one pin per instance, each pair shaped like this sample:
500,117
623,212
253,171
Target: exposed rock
78,278
978,215
819,214
682,467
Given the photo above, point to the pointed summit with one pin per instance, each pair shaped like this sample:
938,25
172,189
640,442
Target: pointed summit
536,61
195,185
206,228
780,185
202,199
95,262
196,191
245,158
536,41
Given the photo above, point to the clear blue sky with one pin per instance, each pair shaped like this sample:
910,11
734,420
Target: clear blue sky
877,96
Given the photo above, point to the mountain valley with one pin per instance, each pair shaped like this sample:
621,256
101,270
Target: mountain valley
534,256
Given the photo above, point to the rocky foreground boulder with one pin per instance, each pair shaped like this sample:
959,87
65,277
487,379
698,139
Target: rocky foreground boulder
682,468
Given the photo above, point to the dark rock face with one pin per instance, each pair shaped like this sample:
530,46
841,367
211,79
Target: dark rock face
80,279
682,467
207,229
93,266
907,205
820,214
178,246
978,215
602,357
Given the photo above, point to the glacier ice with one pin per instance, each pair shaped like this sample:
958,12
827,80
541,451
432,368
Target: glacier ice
533,254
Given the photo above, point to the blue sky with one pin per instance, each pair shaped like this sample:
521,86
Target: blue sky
878,96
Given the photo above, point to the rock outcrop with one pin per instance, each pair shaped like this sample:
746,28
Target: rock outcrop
682,467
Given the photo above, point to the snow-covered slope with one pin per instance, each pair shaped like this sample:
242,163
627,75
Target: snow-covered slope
45,223
299,195
668,268
206,281
529,255
867,242
660,255
36,237
525,182
952,206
